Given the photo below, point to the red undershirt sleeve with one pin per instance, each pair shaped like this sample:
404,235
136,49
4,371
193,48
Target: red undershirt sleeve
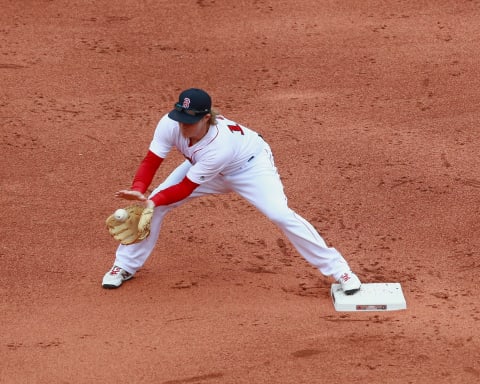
175,193
146,170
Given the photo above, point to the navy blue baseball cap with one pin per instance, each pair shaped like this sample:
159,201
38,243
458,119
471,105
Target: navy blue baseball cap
192,105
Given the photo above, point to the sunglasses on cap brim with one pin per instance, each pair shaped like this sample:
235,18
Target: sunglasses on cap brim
191,112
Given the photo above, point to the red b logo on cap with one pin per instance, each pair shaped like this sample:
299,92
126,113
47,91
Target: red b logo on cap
186,103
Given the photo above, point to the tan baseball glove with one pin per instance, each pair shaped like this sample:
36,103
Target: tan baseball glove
135,228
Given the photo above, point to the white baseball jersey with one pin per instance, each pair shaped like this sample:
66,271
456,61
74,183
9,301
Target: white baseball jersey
225,148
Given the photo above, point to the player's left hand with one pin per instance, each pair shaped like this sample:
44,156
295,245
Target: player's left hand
136,227
126,231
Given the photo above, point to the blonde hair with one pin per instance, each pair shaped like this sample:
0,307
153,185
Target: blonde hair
213,116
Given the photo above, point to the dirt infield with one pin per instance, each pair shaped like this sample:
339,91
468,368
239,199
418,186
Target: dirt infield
371,109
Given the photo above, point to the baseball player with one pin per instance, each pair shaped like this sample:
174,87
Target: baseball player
221,156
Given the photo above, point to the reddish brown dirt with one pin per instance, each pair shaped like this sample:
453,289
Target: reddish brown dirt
372,111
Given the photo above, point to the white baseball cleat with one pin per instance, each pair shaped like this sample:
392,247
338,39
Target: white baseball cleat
115,277
350,283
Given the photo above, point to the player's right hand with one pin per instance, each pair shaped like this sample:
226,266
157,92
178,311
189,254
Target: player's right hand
130,195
